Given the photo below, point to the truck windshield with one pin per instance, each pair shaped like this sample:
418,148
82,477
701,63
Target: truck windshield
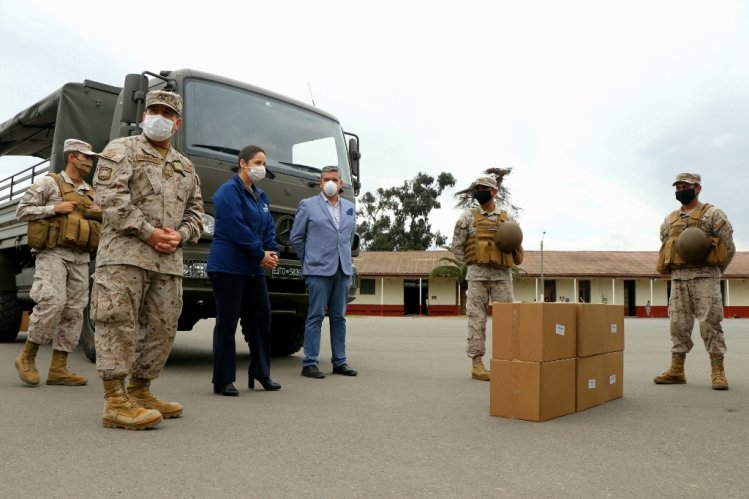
220,119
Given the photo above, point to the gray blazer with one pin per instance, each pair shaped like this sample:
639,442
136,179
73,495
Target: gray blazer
318,244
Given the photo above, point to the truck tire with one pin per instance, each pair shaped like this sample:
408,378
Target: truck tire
286,335
86,343
10,317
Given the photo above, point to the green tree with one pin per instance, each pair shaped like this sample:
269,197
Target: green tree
397,218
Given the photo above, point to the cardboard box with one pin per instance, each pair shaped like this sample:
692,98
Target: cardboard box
538,332
533,391
600,378
600,329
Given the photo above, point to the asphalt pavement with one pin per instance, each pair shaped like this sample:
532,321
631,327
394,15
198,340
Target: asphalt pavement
412,424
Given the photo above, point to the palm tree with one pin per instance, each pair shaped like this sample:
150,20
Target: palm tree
455,270
458,270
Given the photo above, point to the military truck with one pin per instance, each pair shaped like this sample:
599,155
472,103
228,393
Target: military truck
220,117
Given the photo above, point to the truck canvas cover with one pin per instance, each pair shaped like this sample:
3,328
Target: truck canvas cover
76,110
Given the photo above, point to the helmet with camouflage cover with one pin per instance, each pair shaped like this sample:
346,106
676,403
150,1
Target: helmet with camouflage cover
508,237
693,245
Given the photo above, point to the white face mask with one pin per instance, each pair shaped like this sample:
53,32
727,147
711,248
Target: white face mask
256,172
330,188
157,128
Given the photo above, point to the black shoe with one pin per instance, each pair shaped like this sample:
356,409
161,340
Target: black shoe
345,370
228,390
268,384
312,372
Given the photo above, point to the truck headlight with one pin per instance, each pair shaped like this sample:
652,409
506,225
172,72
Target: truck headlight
194,269
208,224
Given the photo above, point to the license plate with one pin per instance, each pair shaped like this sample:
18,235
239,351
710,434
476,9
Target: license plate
287,272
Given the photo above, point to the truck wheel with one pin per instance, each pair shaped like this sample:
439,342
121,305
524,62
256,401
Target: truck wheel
86,343
10,317
286,335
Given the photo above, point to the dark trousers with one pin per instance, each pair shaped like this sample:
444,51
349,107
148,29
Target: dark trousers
246,298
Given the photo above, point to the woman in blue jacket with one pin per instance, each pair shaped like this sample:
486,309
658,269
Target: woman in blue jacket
244,245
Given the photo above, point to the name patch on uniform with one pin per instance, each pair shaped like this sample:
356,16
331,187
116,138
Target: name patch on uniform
148,159
104,173
265,208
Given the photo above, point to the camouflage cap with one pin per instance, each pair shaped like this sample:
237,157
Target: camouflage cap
485,180
689,178
78,146
169,99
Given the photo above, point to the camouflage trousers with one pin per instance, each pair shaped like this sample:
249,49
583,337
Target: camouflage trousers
698,298
135,312
60,291
478,298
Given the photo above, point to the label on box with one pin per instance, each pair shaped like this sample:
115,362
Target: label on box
612,379
560,329
592,384
613,329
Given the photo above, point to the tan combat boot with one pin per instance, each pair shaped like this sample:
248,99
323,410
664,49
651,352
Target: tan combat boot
675,373
26,363
718,374
58,371
121,412
138,391
479,371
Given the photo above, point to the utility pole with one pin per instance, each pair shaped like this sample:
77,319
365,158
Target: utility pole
543,289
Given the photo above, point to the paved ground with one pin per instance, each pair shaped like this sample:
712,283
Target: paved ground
412,424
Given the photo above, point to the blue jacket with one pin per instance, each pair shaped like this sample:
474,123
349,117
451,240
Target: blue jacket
244,230
317,242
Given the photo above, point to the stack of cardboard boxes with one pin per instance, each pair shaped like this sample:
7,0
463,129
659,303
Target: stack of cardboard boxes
553,359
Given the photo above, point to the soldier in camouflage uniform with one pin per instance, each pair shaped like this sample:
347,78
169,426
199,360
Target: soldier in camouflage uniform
487,282
60,287
695,287
150,197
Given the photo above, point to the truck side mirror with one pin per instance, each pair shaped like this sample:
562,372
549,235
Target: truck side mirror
354,155
133,98
356,245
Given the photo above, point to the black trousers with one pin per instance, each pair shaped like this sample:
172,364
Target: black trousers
246,298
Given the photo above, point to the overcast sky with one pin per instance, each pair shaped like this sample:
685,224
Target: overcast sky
595,105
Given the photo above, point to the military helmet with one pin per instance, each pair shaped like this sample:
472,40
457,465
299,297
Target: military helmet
508,237
693,245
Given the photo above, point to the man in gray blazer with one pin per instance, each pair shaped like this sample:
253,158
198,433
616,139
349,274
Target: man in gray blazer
321,236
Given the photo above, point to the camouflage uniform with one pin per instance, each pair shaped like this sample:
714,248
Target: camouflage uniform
60,287
695,291
137,294
486,284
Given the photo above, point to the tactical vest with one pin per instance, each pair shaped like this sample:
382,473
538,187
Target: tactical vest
669,257
481,248
79,229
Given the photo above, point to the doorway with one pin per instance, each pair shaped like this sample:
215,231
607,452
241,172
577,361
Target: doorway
629,298
550,291
583,291
414,302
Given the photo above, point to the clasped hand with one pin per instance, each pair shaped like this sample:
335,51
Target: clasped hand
270,260
165,240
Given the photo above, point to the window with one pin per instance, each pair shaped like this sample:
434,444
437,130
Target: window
367,287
